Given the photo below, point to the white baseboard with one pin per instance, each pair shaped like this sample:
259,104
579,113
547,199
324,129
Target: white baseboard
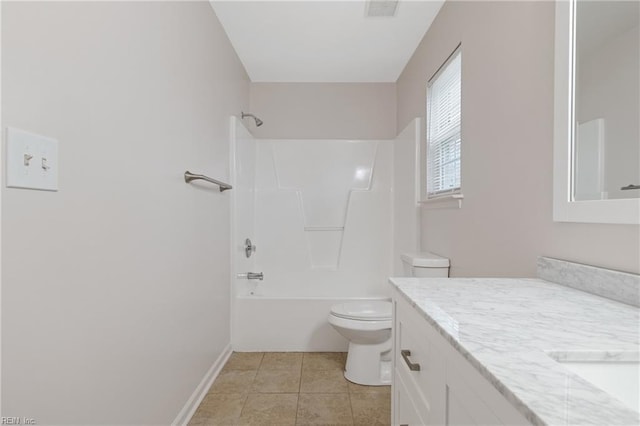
189,409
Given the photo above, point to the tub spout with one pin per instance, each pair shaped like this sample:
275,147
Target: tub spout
251,276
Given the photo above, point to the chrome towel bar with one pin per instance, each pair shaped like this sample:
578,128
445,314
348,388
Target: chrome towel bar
188,177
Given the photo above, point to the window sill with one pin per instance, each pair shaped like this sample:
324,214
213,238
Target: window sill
451,201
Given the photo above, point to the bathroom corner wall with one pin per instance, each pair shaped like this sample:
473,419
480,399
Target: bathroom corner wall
505,221
115,289
324,110
328,117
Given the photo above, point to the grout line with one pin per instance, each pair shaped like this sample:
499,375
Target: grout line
244,404
299,389
261,360
353,420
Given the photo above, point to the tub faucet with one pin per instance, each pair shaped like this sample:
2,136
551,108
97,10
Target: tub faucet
251,276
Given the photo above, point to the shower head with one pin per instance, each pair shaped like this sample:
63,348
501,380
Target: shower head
258,121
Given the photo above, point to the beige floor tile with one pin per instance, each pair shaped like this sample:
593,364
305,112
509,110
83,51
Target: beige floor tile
198,420
324,409
261,389
276,381
269,409
371,408
219,409
233,381
355,388
323,381
282,361
324,361
244,361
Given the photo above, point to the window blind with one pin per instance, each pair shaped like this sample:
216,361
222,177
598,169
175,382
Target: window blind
443,128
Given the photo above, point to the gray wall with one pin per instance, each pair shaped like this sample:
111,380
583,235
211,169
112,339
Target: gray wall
507,130
115,290
324,110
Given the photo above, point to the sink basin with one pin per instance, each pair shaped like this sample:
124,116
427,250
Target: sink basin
619,376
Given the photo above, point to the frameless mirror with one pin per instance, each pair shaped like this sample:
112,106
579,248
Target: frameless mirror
597,110
606,145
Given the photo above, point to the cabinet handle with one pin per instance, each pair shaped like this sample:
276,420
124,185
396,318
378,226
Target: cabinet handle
406,353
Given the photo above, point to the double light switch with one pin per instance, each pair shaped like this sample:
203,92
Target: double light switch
32,161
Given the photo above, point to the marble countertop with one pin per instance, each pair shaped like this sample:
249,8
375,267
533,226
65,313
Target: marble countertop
509,329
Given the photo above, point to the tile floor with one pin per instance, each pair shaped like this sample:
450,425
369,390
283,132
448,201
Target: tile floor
291,388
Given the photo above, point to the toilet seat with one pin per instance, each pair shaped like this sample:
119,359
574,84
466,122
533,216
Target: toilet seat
377,310
356,324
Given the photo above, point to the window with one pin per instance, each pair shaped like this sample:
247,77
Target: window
443,128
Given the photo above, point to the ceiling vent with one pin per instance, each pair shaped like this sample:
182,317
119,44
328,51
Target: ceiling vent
376,8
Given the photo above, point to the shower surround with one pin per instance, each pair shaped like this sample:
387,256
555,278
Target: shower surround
320,215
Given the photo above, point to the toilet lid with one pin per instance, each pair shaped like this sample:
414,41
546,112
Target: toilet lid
365,310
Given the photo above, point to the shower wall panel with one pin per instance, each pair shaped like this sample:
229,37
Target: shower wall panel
323,217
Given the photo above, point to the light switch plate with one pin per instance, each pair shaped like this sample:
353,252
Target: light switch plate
32,161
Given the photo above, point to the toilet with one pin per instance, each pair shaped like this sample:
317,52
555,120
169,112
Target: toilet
425,264
367,324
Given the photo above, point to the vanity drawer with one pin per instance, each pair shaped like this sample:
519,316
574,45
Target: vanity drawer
419,363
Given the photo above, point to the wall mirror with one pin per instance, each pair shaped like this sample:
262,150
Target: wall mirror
597,110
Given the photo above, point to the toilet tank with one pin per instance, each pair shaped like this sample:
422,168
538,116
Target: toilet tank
425,264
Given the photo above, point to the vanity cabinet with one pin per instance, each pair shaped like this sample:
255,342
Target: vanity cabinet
432,382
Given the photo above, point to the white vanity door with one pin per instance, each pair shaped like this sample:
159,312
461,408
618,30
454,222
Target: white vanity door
464,407
406,413
426,381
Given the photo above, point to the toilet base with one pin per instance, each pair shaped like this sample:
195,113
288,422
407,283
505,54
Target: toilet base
369,365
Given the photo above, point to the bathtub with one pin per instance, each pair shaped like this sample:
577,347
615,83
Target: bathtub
286,324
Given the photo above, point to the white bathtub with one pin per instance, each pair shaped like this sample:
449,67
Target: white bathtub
282,324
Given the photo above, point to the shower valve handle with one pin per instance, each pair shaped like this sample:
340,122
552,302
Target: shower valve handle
249,248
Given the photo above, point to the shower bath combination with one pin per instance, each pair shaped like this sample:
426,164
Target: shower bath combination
314,206
258,121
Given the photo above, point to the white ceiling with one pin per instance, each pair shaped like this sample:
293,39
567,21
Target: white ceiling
323,41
